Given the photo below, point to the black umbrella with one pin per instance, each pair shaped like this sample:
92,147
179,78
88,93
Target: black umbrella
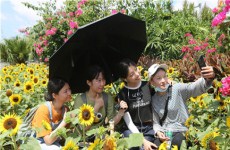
104,42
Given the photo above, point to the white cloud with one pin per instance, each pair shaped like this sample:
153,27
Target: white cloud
28,12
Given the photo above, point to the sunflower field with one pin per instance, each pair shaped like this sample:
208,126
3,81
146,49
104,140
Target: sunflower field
23,86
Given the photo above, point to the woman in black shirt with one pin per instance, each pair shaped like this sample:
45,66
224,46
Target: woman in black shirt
137,95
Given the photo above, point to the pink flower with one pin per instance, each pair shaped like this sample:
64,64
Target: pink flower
188,35
225,89
192,41
227,2
185,49
71,14
114,11
78,12
45,42
123,11
211,50
215,10
197,48
73,25
219,19
54,29
39,51
46,59
70,32
65,39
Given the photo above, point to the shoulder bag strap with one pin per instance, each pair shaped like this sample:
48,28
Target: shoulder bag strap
166,105
50,110
83,97
105,99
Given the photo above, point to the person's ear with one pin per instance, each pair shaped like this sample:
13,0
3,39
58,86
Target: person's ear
53,95
88,82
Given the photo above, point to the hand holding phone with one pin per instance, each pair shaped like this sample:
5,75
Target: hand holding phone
201,62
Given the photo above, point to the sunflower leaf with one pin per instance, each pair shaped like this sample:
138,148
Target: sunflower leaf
135,140
32,142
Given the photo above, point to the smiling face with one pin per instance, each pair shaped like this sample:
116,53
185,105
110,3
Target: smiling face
64,95
97,84
133,78
159,79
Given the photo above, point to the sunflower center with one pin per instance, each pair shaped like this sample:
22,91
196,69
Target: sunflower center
170,70
10,123
31,71
17,84
15,99
43,82
28,87
221,103
86,115
35,80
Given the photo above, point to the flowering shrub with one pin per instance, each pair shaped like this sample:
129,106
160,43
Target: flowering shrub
58,25
225,90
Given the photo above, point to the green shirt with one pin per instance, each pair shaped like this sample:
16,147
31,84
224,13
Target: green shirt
110,110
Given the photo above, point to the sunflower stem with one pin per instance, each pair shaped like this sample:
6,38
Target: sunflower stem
83,131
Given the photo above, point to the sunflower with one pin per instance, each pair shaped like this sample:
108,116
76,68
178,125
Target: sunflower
44,82
86,115
70,145
140,68
110,143
28,87
8,122
17,83
15,99
202,104
188,121
9,92
174,147
222,105
163,146
96,144
228,121
4,70
121,85
8,78
35,79
170,70
30,70
146,74
46,125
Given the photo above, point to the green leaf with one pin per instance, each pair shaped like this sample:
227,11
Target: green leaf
135,140
31,144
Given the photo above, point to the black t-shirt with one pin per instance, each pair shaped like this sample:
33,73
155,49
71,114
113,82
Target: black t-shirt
139,102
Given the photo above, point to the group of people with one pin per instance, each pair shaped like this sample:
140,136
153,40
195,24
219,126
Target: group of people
150,108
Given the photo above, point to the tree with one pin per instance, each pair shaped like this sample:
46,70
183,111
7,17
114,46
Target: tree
15,50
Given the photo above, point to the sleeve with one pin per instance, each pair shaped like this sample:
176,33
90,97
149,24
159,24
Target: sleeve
111,109
41,115
129,123
193,89
156,122
78,102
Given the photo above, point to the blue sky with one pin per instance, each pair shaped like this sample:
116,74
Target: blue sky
15,16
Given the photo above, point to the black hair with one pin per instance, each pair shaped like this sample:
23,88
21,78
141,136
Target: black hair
123,67
93,72
54,86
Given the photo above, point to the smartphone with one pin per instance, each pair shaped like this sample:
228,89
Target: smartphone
201,61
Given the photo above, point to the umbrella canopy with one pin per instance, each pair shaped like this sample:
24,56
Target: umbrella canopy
104,42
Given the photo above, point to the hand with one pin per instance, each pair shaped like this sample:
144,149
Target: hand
208,72
162,136
123,104
148,145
